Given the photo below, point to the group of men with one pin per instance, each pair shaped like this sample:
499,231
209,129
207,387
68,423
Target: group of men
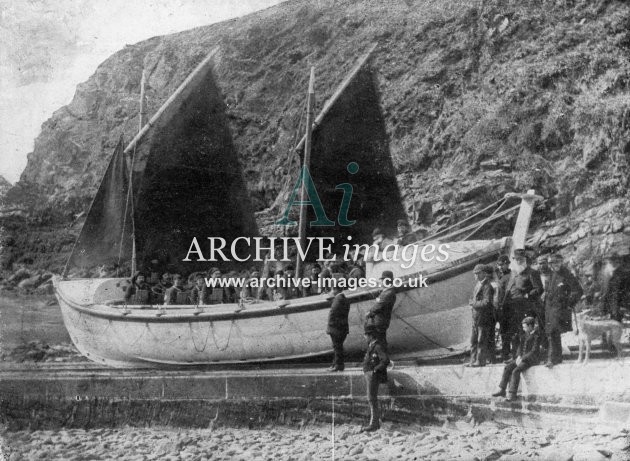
172,289
376,324
533,308
509,293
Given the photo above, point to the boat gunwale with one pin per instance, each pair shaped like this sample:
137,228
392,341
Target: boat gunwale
284,308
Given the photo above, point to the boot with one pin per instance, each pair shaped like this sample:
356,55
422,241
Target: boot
374,419
500,393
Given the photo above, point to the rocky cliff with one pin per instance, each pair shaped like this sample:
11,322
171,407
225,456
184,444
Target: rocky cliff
477,99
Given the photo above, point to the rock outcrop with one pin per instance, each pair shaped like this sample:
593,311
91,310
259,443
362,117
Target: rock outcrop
477,99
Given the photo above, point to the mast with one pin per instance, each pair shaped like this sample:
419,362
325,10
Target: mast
143,109
141,123
310,102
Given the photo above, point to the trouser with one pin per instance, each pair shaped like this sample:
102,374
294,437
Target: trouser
480,337
512,376
519,312
372,397
540,317
338,356
554,354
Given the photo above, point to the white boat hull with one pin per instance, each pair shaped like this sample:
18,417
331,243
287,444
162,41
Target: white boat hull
431,321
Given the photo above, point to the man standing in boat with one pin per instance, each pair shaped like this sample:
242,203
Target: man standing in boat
200,294
338,327
139,290
482,315
405,235
380,314
521,295
176,294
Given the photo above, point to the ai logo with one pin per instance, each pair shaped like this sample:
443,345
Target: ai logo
314,201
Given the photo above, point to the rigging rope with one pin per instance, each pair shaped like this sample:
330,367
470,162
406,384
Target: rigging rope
441,346
467,219
487,219
481,223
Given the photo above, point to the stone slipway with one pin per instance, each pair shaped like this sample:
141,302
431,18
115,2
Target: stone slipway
84,395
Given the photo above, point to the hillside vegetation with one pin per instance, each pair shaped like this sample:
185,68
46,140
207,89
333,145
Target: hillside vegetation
478,98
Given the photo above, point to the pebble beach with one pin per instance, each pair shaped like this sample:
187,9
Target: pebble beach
460,440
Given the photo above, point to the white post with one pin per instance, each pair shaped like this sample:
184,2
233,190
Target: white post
523,219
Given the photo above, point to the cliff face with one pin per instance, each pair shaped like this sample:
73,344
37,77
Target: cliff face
476,100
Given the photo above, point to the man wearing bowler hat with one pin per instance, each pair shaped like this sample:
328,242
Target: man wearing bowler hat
381,313
521,294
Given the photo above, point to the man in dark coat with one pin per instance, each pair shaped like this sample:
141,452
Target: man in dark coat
338,327
617,296
381,313
526,356
502,277
563,292
375,371
482,316
521,295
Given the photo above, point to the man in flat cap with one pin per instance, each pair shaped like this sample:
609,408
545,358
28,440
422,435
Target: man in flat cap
526,356
521,295
482,316
563,293
380,314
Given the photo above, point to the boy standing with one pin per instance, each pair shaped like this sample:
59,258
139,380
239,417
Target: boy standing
375,370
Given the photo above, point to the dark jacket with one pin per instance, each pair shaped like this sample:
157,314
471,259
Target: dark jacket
338,316
526,285
138,293
407,239
376,360
176,295
563,292
200,295
482,298
529,347
617,296
381,312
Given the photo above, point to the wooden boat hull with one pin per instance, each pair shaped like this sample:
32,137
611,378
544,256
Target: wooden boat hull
427,322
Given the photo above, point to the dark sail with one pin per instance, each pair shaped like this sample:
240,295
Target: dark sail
106,237
354,131
188,182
